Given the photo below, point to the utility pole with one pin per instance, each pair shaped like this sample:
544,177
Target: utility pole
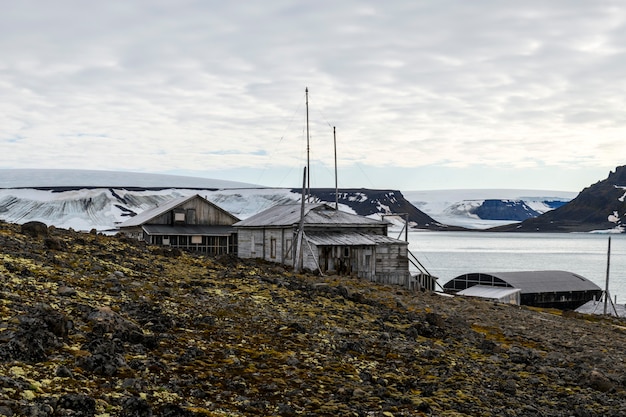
299,258
308,161
336,187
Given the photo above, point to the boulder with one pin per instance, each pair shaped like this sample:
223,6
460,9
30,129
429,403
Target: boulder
35,229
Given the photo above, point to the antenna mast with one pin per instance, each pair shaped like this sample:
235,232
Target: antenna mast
336,188
308,165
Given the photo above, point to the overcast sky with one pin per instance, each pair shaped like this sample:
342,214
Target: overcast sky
424,94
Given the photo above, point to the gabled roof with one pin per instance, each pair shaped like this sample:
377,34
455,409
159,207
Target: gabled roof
532,282
286,215
147,215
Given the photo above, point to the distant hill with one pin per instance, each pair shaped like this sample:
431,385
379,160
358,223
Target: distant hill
599,207
366,202
486,208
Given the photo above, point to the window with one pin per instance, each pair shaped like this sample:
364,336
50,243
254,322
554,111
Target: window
273,247
252,251
288,243
179,217
191,216
196,240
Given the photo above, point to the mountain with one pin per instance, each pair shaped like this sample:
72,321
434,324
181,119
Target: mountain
366,202
83,200
486,208
599,207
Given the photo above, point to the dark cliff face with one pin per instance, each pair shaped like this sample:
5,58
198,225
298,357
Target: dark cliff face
600,206
366,201
504,210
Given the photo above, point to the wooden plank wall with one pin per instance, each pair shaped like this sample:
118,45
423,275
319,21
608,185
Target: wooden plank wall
205,214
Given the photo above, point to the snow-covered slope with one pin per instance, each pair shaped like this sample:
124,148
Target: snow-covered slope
84,200
105,208
101,200
481,209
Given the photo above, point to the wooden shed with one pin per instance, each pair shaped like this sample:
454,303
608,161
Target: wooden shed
334,242
549,289
190,223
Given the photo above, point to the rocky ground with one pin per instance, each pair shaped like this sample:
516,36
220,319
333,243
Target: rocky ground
102,326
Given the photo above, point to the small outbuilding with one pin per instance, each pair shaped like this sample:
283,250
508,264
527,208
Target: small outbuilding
334,242
498,294
190,223
548,289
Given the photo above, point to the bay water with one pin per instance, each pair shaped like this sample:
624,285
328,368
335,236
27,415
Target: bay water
447,255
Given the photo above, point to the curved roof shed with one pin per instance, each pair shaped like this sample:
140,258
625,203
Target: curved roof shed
556,289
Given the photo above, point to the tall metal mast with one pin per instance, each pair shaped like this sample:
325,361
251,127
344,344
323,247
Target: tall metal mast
308,166
336,188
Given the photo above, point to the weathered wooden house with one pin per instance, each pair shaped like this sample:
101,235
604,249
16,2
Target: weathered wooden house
334,242
549,289
190,223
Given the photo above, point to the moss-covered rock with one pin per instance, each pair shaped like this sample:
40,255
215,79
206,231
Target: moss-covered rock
110,326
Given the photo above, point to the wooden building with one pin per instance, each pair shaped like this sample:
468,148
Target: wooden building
334,242
549,289
190,223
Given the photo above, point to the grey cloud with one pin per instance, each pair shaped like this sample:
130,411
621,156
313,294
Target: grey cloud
397,76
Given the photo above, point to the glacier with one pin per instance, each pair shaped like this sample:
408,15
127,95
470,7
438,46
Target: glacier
101,200
104,209
468,207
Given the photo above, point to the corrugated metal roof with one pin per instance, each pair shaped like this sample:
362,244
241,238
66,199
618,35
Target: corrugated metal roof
191,230
531,282
484,291
284,215
349,239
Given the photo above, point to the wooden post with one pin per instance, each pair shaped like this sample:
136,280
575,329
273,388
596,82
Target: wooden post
406,227
608,265
298,259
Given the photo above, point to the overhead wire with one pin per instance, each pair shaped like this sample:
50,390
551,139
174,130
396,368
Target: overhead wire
298,107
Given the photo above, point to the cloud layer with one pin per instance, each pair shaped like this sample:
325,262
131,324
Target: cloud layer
207,85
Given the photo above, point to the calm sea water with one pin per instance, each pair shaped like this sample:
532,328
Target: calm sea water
449,254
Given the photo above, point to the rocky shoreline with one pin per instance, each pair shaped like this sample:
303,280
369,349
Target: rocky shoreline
104,326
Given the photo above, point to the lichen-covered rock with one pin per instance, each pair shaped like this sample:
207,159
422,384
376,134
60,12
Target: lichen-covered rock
110,326
79,404
34,229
